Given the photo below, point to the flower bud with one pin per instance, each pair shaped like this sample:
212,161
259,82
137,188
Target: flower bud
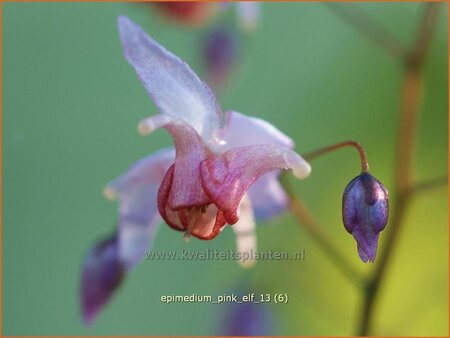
220,52
248,317
102,274
365,211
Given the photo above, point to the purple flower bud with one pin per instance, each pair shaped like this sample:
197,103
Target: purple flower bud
365,212
220,49
247,319
102,274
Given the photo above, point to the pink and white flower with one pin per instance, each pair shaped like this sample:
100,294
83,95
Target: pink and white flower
222,171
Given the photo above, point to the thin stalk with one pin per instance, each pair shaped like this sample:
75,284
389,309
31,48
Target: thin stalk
403,181
362,154
431,184
370,28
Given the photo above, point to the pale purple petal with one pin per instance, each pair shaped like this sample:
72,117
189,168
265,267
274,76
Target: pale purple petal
150,169
241,130
138,222
228,176
173,86
268,196
137,192
102,273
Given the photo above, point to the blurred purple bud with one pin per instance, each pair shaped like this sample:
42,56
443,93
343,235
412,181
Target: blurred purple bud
220,49
247,319
102,274
365,212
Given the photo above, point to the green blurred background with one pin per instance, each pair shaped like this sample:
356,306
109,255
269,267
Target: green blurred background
71,105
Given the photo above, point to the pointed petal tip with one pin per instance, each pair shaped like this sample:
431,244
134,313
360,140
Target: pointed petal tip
102,274
367,260
171,83
368,254
124,22
121,19
88,316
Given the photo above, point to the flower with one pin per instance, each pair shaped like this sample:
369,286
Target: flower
217,159
365,212
223,169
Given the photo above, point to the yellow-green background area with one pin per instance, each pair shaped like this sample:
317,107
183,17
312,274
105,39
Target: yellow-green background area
70,110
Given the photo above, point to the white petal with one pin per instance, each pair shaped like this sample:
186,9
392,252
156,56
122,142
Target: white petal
174,87
245,233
